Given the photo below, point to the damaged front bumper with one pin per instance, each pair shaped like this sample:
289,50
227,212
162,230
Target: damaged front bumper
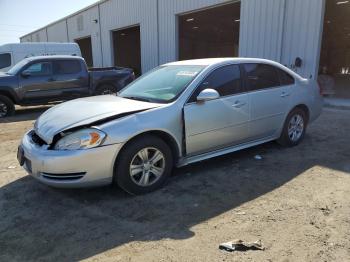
68,169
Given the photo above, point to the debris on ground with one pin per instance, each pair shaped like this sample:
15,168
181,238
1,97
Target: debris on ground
11,167
258,157
240,245
325,210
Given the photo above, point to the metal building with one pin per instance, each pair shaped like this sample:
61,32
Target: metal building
145,33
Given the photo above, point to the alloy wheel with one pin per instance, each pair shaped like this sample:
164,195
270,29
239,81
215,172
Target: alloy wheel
296,128
147,166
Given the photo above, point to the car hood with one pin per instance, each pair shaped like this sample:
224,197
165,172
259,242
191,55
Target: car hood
85,111
6,79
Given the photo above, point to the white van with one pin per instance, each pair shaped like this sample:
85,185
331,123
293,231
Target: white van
11,54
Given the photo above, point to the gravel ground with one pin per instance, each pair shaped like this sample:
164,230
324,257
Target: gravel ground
295,200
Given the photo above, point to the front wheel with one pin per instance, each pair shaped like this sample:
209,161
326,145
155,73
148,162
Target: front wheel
7,108
144,165
294,128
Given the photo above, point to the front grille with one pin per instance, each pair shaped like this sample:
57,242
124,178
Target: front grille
36,139
64,177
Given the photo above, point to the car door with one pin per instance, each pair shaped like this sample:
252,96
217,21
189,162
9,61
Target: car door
36,81
269,99
70,77
221,122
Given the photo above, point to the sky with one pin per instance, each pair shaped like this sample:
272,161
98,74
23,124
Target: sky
19,17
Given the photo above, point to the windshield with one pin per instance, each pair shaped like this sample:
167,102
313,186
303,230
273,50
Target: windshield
14,70
164,84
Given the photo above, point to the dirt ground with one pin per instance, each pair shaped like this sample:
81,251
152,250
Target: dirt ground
296,201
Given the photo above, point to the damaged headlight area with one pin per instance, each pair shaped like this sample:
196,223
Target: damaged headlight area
80,140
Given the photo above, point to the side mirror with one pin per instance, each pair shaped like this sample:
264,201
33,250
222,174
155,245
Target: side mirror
207,95
26,73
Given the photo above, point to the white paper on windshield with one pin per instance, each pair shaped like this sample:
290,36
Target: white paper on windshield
186,73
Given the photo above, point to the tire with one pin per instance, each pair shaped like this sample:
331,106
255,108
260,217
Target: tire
130,156
106,90
293,135
7,107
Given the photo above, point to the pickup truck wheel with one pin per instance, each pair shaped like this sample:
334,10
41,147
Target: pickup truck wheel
144,165
106,90
7,108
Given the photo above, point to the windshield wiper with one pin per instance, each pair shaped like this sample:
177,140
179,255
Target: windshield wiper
138,98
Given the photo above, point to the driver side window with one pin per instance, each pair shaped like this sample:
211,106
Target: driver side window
40,69
225,80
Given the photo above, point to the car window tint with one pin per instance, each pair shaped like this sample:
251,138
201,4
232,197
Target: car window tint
39,69
5,60
261,76
226,80
66,67
286,79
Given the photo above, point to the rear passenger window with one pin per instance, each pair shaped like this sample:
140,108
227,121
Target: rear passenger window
261,76
226,80
285,78
5,60
66,67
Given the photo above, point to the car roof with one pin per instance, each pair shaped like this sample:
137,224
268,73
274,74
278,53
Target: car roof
34,58
212,61
37,45
209,62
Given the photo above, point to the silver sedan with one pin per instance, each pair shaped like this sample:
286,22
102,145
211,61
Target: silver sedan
175,115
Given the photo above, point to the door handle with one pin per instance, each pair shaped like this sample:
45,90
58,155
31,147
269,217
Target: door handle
51,80
239,104
284,94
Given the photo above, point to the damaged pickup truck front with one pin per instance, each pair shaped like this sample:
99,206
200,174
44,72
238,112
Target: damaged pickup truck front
177,114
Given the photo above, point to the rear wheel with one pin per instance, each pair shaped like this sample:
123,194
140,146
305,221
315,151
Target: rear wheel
294,128
144,165
106,90
7,108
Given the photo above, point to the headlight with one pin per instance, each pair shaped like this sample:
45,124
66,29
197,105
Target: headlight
82,139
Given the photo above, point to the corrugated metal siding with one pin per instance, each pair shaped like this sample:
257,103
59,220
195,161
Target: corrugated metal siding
280,30
302,34
57,32
88,28
283,30
261,28
39,36
167,15
27,38
118,14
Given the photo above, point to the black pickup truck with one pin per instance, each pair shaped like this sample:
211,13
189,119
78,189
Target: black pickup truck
41,80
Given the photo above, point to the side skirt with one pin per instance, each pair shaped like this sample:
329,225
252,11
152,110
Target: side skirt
193,159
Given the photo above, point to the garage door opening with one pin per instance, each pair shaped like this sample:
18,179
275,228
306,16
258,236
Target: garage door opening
334,70
213,32
127,48
86,50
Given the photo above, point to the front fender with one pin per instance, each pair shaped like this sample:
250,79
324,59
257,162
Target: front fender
10,93
165,120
